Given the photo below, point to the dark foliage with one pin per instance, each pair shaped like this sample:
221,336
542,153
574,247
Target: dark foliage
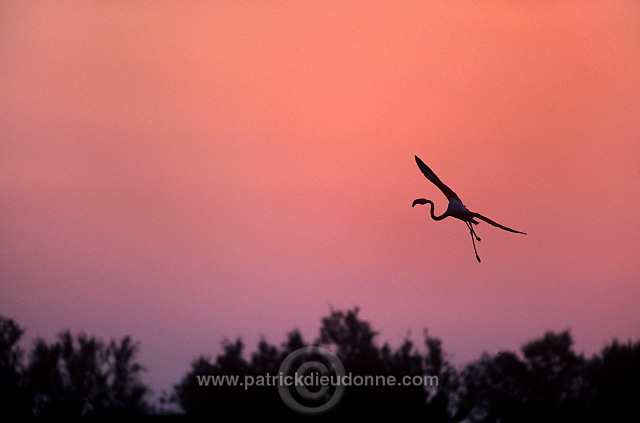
71,377
14,397
547,381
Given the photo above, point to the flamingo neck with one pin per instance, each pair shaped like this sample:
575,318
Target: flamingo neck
432,208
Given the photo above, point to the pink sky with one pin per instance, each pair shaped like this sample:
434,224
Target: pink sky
186,172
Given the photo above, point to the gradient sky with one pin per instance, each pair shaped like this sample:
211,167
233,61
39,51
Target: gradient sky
186,172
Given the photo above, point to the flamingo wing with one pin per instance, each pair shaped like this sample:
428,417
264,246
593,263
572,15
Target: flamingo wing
428,173
497,225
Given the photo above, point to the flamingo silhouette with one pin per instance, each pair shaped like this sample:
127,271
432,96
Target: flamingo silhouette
455,208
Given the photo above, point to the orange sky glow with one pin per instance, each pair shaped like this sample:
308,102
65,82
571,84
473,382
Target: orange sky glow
186,172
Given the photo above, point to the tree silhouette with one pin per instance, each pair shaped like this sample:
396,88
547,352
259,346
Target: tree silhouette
14,395
556,377
548,385
440,399
206,399
353,340
352,337
125,392
613,378
494,389
547,381
80,376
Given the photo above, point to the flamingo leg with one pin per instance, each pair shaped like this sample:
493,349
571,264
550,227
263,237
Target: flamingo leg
473,239
473,231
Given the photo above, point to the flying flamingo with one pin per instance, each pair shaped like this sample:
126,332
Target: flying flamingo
455,208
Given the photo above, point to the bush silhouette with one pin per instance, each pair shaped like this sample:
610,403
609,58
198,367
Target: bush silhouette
72,377
546,381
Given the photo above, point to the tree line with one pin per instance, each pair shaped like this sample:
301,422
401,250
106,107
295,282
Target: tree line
546,381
